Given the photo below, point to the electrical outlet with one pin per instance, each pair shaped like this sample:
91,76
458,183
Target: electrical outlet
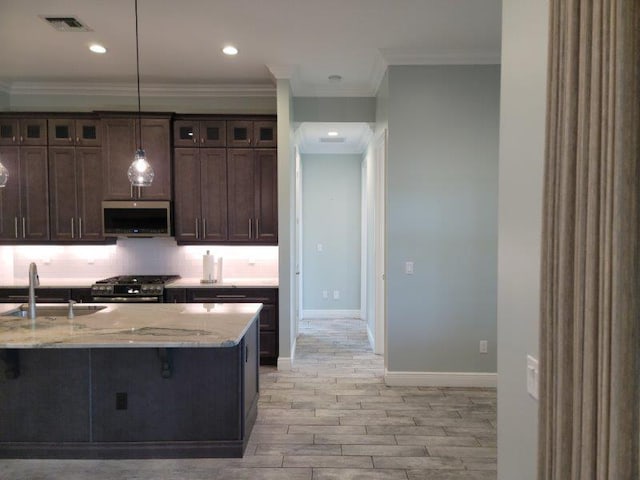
532,376
336,294
408,268
484,346
325,294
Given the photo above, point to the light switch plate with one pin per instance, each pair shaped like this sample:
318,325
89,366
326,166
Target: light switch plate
408,268
532,377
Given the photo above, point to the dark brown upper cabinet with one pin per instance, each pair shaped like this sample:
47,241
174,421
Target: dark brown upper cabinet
119,144
199,133
200,194
24,201
84,132
252,195
75,190
249,133
23,131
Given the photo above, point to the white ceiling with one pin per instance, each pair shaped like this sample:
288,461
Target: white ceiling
305,40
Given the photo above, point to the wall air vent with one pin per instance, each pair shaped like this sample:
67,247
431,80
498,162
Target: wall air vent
65,23
332,139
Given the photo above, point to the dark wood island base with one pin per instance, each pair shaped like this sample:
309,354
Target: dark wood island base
140,402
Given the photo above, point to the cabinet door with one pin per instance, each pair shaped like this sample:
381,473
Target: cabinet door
266,223
88,132
118,149
241,194
187,194
33,131
213,165
9,131
213,133
62,131
239,133
265,133
186,133
63,194
156,140
89,188
34,193
10,195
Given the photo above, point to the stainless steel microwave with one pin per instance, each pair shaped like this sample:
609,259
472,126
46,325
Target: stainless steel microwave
136,218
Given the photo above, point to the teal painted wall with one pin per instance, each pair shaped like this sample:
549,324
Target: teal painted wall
442,198
331,216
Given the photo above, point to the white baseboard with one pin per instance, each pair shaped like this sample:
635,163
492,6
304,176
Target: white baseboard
307,314
440,379
285,364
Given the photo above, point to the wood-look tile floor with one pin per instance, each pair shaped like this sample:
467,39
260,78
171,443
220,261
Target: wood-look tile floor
331,418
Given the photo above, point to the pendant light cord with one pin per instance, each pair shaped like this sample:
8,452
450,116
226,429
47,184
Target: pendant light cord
138,78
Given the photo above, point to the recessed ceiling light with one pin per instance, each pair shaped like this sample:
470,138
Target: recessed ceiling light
230,50
334,78
96,48
332,133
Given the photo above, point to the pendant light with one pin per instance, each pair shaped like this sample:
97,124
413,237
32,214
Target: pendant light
4,175
140,172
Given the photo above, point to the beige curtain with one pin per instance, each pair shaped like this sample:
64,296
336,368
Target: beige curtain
590,297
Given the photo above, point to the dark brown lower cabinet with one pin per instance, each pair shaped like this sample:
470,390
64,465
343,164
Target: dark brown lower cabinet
268,316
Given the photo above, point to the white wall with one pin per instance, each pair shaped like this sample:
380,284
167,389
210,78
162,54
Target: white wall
332,109
331,217
442,178
522,136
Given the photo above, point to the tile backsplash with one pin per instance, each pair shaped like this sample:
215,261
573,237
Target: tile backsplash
134,256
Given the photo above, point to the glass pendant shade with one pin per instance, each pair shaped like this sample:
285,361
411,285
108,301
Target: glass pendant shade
4,175
140,172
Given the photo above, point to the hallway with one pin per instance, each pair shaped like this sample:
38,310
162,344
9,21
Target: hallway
330,418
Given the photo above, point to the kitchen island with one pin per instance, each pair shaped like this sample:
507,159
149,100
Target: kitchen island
128,381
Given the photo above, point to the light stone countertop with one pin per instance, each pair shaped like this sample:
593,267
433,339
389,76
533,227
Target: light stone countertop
131,325
227,283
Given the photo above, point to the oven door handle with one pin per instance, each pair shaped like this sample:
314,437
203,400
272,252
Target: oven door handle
126,299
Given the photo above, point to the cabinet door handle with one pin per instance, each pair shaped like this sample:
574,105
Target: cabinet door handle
13,139
246,353
80,226
202,140
73,235
15,224
204,227
231,296
24,228
70,139
21,139
77,139
195,140
257,228
250,229
197,236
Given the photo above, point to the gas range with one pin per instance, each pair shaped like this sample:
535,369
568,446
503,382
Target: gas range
131,288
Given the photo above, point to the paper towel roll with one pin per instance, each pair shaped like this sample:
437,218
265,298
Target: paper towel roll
208,272
219,270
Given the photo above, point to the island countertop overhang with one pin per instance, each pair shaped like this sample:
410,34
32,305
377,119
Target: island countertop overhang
175,325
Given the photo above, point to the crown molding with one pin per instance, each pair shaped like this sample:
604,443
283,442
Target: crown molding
377,73
331,91
129,89
408,57
282,72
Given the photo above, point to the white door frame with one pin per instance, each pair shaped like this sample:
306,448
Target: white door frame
298,239
380,158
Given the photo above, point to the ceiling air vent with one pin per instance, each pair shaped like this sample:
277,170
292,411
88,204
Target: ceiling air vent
66,24
332,139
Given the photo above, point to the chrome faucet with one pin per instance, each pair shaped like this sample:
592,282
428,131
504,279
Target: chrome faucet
34,281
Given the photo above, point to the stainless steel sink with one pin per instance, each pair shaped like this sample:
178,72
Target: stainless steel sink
53,311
